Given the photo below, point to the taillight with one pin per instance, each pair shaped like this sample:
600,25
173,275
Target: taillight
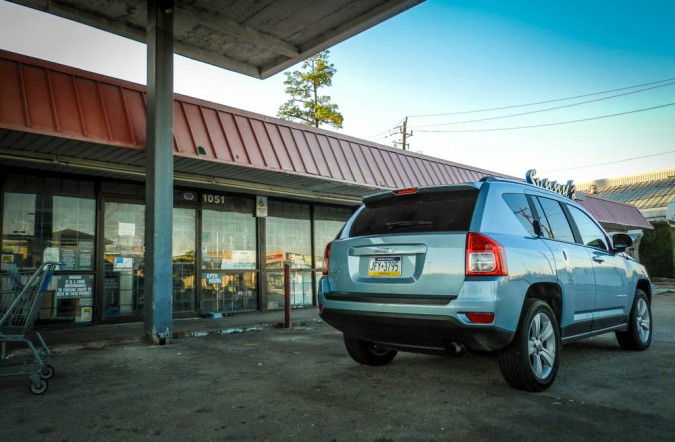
484,256
406,191
326,259
480,317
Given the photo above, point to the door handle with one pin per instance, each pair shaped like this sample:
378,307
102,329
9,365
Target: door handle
598,259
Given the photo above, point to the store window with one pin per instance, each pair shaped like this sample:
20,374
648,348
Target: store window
288,239
124,259
328,221
229,266
52,220
184,243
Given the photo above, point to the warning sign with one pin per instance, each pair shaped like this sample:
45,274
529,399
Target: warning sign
73,286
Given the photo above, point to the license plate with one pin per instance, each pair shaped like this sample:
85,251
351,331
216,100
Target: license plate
384,266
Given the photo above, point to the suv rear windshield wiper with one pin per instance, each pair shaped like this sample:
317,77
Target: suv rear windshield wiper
399,224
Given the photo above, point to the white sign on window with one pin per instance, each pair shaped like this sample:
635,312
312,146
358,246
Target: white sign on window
127,229
261,206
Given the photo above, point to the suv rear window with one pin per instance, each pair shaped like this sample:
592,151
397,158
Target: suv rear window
417,212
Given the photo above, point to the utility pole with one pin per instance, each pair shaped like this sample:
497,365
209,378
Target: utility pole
404,135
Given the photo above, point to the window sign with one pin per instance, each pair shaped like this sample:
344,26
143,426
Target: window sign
86,254
213,278
51,254
87,314
261,206
68,258
122,263
127,229
241,259
73,286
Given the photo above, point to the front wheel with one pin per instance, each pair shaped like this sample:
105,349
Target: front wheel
530,362
39,387
639,333
368,353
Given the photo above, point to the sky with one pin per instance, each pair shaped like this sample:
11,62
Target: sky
445,64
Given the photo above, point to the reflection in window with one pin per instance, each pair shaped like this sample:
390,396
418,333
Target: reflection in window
73,231
328,221
229,265
228,292
591,234
184,237
229,236
288,239
52,220
124,259
521,209
556,225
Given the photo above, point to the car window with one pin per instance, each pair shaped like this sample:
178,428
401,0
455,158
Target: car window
591,234
521,209
556,225
417,212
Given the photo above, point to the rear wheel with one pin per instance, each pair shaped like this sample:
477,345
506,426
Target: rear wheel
639,333
368,353
530,363
47,372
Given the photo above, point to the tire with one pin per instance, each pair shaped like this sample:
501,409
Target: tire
39,388
47,372
530,362
638,337
368,353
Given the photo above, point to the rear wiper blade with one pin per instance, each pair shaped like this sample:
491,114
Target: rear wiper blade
398,224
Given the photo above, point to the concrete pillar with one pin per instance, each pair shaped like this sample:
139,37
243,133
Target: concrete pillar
159,175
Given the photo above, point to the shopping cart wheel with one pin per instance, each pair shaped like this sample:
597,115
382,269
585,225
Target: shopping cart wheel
47,372
40,388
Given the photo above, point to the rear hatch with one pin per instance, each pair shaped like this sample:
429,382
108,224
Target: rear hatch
406,247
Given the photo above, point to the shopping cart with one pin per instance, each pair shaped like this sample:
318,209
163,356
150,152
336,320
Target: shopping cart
20,299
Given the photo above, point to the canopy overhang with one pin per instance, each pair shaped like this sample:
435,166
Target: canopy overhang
258,38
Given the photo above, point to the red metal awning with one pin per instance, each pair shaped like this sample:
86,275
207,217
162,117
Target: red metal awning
78,115
613,215
59,118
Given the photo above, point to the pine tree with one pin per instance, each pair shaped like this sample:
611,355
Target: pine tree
305,104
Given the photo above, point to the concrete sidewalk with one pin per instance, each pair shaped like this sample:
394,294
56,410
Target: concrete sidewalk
99,336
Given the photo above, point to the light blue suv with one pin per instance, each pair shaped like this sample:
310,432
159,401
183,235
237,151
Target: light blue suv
495,265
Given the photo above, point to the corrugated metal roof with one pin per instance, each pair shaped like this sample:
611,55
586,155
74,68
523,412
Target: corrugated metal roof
646,195
54,117
614,215
88,111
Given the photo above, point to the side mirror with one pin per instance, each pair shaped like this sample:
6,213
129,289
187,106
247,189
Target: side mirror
621,242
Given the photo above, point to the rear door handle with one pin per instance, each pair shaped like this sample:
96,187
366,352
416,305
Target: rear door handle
598,259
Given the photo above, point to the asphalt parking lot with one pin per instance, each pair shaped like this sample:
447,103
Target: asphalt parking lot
299,384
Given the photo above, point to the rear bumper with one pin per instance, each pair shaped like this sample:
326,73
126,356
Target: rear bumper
416,331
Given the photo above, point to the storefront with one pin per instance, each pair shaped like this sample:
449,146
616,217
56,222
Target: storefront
250,194
225,259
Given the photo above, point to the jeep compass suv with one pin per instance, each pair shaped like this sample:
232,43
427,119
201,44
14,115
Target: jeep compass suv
497,265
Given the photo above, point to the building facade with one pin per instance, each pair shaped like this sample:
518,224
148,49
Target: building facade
250,194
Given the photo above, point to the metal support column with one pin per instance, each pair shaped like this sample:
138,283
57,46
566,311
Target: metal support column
159,174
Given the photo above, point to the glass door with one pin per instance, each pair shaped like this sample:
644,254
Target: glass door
124,236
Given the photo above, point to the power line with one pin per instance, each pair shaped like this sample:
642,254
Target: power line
388,131
610,162
547,109
549,124
542,102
